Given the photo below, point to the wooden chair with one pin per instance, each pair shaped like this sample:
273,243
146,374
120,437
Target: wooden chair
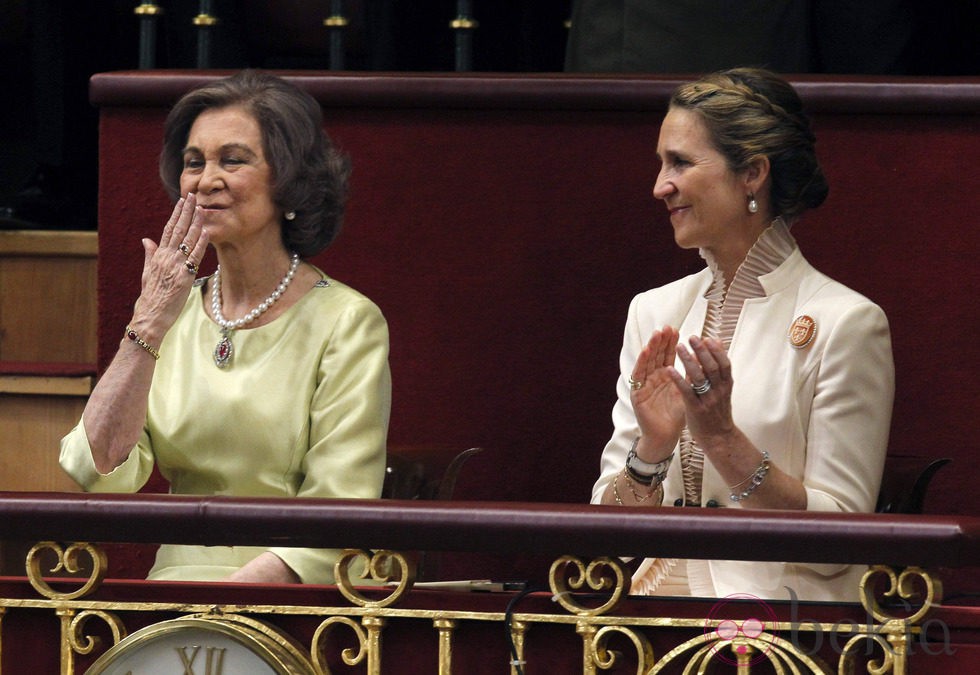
905,482
424,472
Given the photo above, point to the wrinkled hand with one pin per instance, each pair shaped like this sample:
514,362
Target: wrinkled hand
170,267
709,415
658,406
266,568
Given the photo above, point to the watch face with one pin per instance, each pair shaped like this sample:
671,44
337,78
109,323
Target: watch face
221,645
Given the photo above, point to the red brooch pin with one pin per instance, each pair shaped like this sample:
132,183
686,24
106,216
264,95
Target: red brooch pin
802,331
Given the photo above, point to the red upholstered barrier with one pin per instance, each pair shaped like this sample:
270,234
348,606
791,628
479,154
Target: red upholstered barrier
503,223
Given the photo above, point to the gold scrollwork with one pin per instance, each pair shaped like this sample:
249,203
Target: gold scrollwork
67,561
84,644
605,658
349,655
601,574
380,566
742,652
905,586
845,665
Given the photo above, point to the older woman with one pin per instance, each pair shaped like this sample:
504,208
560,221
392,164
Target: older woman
780,394
266,378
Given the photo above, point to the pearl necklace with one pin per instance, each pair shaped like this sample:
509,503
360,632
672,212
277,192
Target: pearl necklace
224,349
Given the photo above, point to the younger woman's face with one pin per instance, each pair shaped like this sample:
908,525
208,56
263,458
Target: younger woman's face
707,201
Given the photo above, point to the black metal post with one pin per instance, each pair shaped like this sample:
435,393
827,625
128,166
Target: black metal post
205,22
148,12
464,24
336,23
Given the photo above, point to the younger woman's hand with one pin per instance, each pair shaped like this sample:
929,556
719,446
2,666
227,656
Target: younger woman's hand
658,406
709,413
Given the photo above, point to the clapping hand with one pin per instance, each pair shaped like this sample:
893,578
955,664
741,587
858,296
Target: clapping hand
706,392
657,404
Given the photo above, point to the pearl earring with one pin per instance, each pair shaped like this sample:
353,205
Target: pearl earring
753,205
290,215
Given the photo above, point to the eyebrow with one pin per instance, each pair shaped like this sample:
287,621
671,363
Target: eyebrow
241,147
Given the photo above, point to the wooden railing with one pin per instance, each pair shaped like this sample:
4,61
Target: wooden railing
500,527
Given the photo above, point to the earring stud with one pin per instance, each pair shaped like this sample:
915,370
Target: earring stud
290,215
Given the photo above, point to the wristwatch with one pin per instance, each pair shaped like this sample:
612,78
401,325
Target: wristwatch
645,472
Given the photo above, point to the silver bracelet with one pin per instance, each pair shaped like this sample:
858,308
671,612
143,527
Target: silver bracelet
754,481
645,473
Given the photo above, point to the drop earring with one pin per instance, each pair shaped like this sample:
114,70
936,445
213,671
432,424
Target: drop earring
753,204
290,215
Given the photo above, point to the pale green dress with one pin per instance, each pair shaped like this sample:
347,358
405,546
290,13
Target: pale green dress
302,410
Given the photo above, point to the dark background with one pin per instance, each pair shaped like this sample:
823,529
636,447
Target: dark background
49,48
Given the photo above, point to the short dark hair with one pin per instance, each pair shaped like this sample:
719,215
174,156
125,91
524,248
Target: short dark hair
751,112
309,174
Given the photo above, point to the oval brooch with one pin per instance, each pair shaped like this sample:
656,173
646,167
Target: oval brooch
802,332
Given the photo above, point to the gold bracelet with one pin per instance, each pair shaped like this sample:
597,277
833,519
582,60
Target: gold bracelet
636,496
133,336
619,500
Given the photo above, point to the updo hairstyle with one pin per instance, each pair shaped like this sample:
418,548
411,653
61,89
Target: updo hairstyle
751,112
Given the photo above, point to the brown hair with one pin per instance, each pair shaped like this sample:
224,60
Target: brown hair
309,175
751,112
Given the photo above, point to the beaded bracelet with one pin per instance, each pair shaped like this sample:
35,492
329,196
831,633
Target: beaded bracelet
134,337
754,480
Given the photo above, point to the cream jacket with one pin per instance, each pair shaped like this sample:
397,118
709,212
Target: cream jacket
822,412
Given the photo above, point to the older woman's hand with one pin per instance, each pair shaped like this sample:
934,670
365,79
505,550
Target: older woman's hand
657,405
170,268
709,413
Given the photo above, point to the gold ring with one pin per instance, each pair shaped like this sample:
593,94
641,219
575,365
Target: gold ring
635,384
191,267
184,248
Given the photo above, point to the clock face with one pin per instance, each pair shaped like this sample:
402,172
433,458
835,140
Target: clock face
199,646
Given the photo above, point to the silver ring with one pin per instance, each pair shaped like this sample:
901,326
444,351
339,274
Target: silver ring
191,267
701,389
184,248
635,384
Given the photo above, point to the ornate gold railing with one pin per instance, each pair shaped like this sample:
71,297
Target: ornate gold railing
587,592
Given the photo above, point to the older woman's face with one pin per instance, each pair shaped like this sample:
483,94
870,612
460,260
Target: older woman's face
225,165
705,199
